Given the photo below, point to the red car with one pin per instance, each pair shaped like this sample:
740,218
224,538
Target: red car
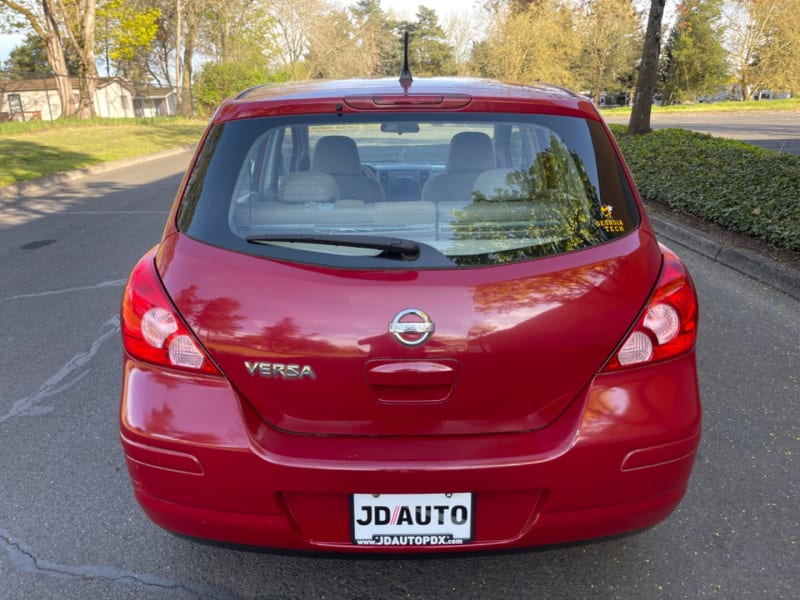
393,316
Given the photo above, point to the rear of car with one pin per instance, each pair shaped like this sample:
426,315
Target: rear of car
421,317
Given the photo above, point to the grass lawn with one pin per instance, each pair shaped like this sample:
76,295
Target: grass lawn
38,148
789,104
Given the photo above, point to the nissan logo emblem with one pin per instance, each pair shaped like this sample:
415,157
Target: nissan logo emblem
411,327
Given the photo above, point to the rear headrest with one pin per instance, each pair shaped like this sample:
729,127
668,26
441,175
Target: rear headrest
307,186
502,185
337,155
470,151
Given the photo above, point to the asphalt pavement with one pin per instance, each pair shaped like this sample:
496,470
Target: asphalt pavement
776,130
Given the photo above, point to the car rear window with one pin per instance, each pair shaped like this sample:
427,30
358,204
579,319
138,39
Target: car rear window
464,189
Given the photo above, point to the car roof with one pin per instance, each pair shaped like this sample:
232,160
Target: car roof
421,95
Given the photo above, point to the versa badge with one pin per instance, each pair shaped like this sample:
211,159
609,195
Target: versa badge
279,370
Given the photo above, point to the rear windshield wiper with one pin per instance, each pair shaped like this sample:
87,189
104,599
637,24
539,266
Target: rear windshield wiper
390,247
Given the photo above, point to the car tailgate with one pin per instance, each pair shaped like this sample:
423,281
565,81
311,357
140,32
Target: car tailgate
318,350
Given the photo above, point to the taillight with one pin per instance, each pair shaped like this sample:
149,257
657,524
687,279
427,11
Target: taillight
668,325
152,331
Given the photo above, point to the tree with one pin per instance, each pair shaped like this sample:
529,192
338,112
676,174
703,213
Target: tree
237,30
429,52
217,81
180,72
44,19
648,70
376,39
610,41
163,44
291,30
77,22
538,43
515,6
695,61
171,56
433,54
788,34
764,41
460,29
125,34
333,50
29,59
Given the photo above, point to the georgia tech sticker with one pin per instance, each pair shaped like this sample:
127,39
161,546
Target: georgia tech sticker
608,223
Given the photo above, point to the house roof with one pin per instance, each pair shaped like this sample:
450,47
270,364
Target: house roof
32,85
152,91
41,84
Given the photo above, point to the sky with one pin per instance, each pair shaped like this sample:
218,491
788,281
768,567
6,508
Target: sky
7,44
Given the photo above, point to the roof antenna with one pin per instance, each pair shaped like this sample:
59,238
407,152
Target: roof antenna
405,72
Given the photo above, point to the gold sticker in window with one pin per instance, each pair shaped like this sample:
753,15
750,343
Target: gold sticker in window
608,223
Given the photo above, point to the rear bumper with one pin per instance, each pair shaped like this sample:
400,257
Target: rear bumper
203,465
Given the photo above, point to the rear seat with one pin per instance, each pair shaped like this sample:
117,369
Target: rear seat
338,156
313,198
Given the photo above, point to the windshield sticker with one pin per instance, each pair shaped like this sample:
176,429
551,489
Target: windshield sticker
608,223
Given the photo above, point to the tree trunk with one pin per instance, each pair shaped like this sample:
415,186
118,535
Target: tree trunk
648,71
78,19
178,44
88,71
58,63
88,92
185,90
747,88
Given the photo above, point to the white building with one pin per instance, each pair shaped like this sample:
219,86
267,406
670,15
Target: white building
37,99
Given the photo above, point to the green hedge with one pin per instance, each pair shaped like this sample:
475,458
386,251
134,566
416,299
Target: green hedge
742,187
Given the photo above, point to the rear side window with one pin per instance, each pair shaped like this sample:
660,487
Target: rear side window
464,190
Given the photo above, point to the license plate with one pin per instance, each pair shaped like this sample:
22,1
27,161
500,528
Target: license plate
412,519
